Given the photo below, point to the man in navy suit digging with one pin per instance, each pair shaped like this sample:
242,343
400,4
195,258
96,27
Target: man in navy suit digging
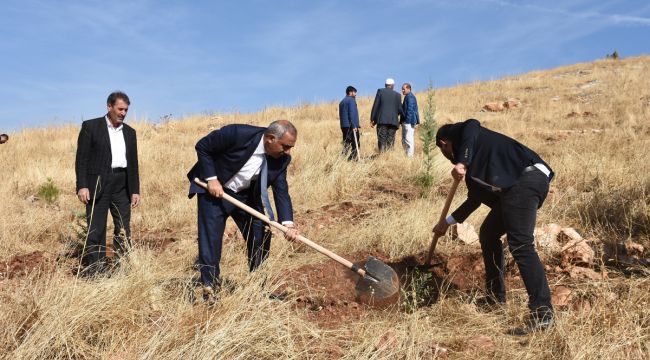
242,161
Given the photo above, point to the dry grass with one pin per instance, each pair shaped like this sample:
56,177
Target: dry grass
602,188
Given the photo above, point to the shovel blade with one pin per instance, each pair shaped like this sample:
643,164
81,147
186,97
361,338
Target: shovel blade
380,286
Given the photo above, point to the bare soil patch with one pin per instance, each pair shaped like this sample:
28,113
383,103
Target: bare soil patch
326,295
19,266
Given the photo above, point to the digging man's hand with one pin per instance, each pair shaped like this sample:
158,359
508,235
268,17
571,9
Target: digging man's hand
458,172
440,228
292,233
214,188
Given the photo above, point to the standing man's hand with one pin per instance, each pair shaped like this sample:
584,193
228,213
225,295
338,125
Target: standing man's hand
458,172
84,195
214,188
440,228
292,233
135,200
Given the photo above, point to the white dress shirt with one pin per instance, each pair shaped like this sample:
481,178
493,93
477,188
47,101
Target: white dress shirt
249,172
118,147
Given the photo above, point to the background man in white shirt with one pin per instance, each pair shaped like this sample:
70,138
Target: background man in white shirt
107,173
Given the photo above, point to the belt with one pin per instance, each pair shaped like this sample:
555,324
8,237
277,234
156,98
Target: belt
118,170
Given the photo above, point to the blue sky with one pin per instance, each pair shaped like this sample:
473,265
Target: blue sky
60,59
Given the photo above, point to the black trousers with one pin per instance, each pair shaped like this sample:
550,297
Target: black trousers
348,142
114,197
515,215
212,216
385,137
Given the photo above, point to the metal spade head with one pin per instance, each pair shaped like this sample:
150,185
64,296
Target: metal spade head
380,286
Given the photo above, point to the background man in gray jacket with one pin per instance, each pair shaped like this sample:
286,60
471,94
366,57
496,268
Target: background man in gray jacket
385,111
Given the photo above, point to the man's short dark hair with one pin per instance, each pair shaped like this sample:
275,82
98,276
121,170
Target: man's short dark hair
112,98
349,90
444,133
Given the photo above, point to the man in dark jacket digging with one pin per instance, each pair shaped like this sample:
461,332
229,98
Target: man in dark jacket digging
513,181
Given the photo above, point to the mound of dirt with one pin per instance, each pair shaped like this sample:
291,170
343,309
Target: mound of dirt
325,292
23,265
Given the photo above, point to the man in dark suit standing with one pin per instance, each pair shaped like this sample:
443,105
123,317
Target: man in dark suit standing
385,111
513,181
107,179
349,120
242,161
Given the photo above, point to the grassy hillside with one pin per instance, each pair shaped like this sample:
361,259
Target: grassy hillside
590,121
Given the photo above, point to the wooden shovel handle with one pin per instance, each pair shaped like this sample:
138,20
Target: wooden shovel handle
284,230
443,217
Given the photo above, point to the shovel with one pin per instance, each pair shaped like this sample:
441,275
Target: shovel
378,285
356,143
443,216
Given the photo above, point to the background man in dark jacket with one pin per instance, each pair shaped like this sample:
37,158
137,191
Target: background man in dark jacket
349,118
385,111
241,160
107,178
409,119
513,181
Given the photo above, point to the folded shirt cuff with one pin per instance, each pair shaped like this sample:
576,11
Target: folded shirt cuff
211,178
285,223
450,220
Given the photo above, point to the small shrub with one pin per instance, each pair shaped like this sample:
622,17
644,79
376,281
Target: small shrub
419,292
48,191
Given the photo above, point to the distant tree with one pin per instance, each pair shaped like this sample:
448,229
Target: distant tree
613,55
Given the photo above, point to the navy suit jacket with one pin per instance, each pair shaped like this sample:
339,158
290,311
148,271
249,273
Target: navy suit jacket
348,113
222,153
493,158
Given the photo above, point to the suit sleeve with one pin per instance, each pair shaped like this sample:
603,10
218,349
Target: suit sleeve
469,205
465,152
375,108
353,114
399,105
82,158
343,114
135,166
281,197
214,143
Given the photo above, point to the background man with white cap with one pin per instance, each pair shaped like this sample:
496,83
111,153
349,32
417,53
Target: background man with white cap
385,111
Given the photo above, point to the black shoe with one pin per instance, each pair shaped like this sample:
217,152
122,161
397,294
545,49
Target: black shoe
534,323
489,304
279,296
209,294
